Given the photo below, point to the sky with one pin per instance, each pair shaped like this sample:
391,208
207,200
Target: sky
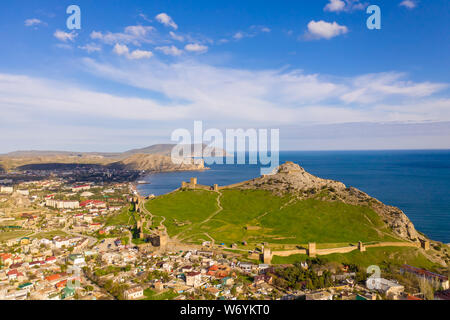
138,70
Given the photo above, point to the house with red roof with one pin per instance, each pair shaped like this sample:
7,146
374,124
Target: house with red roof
50,260
81,188
61,284
54,278
6,259
93,203
14,275
427,275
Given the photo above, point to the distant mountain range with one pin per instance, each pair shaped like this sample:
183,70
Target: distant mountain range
160,149
155,157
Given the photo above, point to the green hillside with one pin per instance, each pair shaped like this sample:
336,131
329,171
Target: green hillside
255,216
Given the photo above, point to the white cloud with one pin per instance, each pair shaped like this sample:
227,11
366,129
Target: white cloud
252,32
344,5
376,87
132,34
140,54
65,36
144,16
172,50
34,95
275,97
195,47
122,50
166,20
36,109
33,22
91,47
238,35
335,5
410,4
324,30
176,36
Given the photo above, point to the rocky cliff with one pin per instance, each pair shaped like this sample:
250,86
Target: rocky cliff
153,162
291,178
154,158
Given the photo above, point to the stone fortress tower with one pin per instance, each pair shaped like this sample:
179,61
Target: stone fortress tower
312,249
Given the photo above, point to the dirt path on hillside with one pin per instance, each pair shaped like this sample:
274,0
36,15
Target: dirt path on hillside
215,212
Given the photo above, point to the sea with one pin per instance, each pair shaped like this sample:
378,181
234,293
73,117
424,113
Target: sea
416,181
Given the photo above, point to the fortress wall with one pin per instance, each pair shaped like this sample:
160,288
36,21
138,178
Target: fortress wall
345,249
288,252
203,187
235,185
318,251
394,244
335,250
197,186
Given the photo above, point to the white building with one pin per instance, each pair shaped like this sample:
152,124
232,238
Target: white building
81,188
59,242
193,279
321,295
390,288
4,189
76,260
134,293
60,204
23,192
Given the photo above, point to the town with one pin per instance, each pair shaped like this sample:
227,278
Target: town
63,237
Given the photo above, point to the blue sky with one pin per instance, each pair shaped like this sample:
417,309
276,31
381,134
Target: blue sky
137,70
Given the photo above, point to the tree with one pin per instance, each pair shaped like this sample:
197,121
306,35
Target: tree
448,271
427,289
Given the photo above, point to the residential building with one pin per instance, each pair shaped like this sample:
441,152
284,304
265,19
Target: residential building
193,279
431,277
134,293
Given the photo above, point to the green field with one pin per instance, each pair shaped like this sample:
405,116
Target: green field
153,295
257,216
4,236
50,234
183,209
125,217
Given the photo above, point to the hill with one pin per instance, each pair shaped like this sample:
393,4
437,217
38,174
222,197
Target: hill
156,162
166,150
286,211
153,158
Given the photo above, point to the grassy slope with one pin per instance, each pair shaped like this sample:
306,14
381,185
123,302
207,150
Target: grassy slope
124,217
373,256
297,223
153,295
4,236
185,207
50,234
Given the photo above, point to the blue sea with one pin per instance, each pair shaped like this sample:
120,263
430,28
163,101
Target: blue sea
418,182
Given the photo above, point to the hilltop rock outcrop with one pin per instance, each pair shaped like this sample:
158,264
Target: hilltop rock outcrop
291,178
